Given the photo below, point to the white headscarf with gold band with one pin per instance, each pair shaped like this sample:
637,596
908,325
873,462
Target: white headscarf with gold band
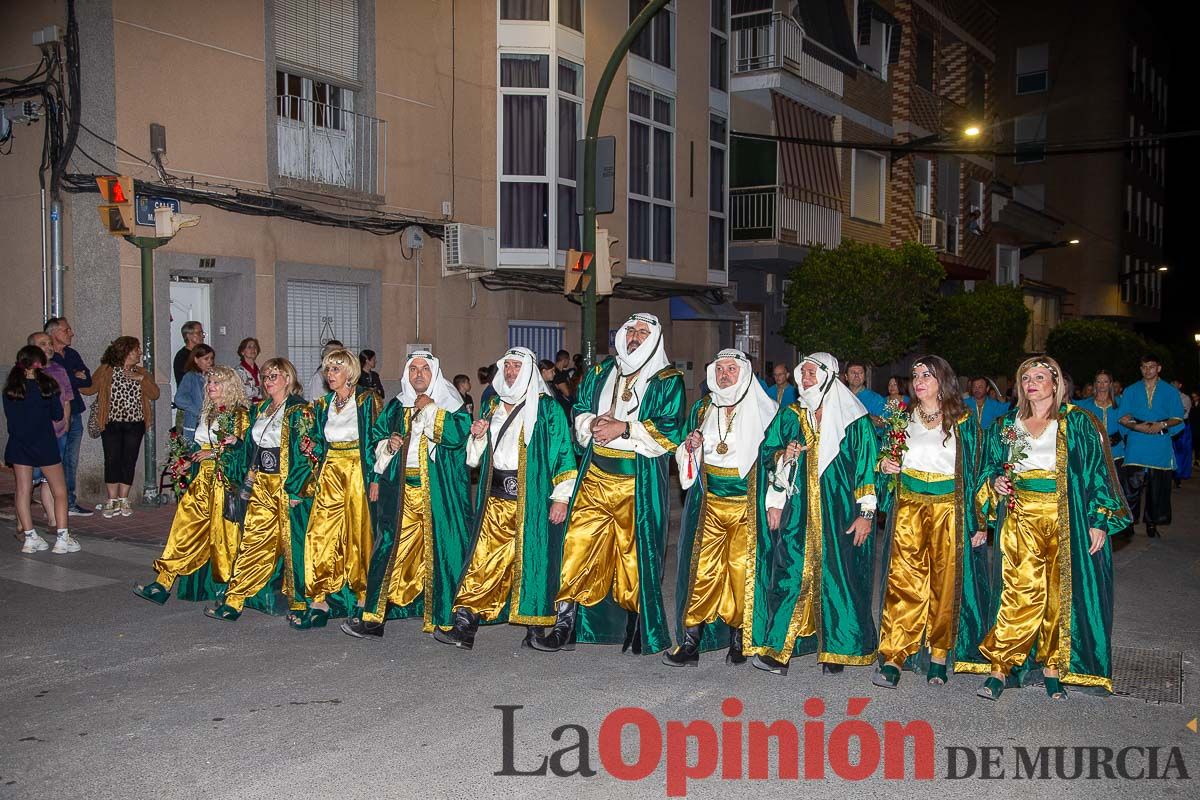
839,406
525,388
440,391
754,412
647,359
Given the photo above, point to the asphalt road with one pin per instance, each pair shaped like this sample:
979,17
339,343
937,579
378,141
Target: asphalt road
108,696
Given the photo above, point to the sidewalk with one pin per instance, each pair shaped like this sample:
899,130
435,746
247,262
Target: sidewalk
149,524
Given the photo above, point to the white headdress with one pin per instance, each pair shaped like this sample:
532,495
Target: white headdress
525,388
647,359
839,405
754,412
440,391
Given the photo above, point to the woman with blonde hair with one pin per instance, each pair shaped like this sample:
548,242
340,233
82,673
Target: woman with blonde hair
1048,475
279,489
210,466
338,540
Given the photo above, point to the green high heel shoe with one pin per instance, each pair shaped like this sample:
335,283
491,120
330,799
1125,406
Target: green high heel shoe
888,677
1055,690
223,612
312,618
991,689
154,591
936,675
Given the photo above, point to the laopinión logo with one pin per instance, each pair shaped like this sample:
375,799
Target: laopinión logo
739,749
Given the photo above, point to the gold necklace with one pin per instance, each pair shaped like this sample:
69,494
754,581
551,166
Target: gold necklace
723,448
926,419
339,403
627,394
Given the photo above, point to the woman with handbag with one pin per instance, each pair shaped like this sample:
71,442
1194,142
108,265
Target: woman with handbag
279,489
125,395
211,466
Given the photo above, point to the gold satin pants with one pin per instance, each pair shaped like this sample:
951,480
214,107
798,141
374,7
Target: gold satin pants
199,532
337,545
600,549
408,555
1029,601
488,580
720,555
266,535
922,580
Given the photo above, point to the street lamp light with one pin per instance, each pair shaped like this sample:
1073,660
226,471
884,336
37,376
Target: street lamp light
1161,268
1029,249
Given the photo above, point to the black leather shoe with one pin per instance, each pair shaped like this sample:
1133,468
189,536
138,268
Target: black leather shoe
687,654
532,632
562,635
466,623
361,629
768,664
1152,531
633,634
735,655
831,669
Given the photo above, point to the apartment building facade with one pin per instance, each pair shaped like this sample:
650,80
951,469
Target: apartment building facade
1068,77
439,112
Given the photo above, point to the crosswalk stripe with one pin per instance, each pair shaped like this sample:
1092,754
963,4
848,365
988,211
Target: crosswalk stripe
121,551
43,575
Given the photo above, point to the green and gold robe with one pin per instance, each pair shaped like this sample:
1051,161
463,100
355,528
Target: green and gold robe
443,483
974,592
1088,495
661,412
810,569
547,461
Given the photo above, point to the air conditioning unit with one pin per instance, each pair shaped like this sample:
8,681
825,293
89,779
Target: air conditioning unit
931,232
468,248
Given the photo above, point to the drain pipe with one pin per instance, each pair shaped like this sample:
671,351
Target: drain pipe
56,259
45,263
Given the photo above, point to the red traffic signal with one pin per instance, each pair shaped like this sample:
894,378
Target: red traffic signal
116,210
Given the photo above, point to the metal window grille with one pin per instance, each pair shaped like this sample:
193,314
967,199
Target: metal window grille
543,338
317,312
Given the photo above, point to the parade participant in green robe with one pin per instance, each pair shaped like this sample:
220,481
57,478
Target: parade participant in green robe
271,556
337,543
629,416
422,512
936,593
814,560
522,446
718,467
1048,476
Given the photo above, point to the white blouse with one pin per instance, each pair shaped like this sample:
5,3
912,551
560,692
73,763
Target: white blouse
342,426
206,433
1042,452
268,428
929,450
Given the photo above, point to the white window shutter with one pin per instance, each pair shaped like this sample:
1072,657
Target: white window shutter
318,35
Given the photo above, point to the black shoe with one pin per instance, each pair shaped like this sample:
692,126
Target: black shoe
831,669
361,629
633,634
562,635
532,632
466,623
768,664
735,655
687,654
1152,531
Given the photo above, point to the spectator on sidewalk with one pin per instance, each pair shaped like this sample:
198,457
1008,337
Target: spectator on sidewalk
125,394
370,378
856,379
485,380
193,335
316,386
463,384
247,369
782,390
549,371
190,397
562,375
61,337
31,407
66,394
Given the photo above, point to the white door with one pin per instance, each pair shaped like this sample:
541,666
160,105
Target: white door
190,300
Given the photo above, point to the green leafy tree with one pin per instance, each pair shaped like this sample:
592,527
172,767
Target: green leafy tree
981,332
862,302
1084,346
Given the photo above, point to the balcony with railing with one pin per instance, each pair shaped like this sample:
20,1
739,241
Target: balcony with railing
321,145
777,42
767,213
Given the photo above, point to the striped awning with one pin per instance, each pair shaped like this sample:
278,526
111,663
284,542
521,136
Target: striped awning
810,172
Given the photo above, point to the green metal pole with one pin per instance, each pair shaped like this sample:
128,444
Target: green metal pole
588,334
147,244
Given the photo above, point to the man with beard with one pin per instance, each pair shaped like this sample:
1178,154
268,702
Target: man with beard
628,419
522,446
422,509
812,579
718,466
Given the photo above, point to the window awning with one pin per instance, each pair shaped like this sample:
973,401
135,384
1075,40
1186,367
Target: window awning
810,171
690,308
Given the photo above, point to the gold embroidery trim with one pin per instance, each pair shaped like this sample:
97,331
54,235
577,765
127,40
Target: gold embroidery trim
721,472
663,441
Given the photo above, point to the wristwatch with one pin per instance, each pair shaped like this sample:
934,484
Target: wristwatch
625,435
867,515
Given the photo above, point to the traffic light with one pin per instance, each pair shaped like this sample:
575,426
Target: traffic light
608,272
575,277
116,212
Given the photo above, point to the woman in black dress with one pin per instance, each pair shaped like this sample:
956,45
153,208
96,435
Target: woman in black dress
31,407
